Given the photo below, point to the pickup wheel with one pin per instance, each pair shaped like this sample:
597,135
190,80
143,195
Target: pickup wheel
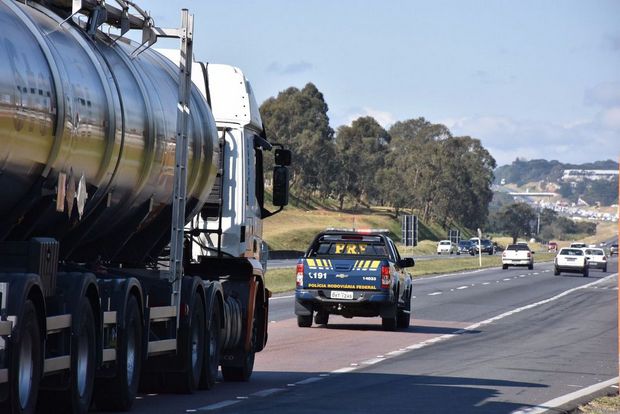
321,318
556,271
390,323
531,266
605,268
304,321
504,266
586,271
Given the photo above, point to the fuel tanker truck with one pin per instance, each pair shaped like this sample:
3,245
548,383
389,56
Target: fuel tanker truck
131,207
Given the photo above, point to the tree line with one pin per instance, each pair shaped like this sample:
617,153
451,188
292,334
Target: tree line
414,165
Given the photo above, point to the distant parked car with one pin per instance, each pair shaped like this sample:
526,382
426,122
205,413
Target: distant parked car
572,260
464,246
446,246
552,247
486,246
596,258
613,249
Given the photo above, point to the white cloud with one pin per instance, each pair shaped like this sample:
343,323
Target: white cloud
384,118
580,141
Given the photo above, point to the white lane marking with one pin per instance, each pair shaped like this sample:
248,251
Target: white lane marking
219,405
477,325
434,293
267,392
372,361
486,283
462,287
535,274
557,402
243,397
281,297
309,380
507,279
522,275
343,370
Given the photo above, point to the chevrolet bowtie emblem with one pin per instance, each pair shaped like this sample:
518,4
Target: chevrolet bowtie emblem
341,276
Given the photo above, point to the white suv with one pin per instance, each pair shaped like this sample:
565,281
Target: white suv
446,246
571,260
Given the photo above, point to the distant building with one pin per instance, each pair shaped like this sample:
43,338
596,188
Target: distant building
580,175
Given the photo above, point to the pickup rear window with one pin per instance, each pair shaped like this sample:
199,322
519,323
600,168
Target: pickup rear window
571,252
331,245
517,247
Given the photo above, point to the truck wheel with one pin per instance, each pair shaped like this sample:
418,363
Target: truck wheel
321,318
192,351
78,398
243,372
504,266
118,393
304,321
212,351
605,268
585,271
556,271
25,364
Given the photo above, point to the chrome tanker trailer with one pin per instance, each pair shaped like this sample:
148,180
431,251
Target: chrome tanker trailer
130,213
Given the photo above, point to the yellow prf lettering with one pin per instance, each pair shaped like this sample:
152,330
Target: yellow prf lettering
352,249
339,248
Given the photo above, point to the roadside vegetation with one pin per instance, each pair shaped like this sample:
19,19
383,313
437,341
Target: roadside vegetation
602,405
283,280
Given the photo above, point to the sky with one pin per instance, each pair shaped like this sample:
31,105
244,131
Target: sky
529,78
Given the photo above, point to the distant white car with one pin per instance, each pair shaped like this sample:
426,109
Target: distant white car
571,260
578,245
596,258
446,246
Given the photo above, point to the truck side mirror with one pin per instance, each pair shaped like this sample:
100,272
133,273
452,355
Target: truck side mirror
280,185
282,157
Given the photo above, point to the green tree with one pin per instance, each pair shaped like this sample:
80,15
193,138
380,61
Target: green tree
298,120
360,151
516,219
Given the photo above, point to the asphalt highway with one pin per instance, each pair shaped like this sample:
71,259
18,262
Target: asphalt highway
489,341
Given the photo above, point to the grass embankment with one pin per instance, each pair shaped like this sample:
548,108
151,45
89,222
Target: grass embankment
602,405
283,280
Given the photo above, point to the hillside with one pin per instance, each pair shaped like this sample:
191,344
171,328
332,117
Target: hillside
521,172
296,226
543,175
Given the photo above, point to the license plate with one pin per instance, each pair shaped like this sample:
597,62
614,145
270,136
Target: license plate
337,294
570,259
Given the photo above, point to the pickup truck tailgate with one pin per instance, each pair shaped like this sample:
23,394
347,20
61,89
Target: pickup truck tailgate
342,274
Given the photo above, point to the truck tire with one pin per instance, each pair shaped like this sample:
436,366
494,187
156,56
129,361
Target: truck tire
118,393
243,372
556,271
192,350
586,271
25,364
605,268
212,351
304,321
78,397
321,318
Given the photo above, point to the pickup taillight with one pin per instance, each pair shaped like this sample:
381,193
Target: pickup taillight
529,255
300,274
504,254
385,277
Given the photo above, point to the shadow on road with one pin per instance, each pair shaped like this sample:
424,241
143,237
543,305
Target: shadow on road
378,393
414,329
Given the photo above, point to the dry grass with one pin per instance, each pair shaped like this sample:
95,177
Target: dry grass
603,405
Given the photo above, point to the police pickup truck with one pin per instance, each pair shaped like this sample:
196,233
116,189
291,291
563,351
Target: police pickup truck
353,273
